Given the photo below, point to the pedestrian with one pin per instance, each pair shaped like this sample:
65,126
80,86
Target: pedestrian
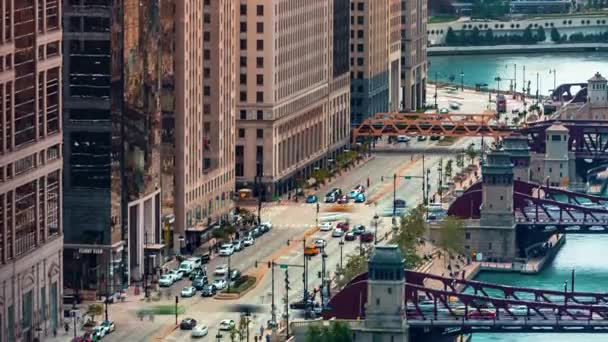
66,327
54,332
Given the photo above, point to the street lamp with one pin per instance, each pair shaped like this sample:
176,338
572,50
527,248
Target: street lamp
341,243
462,81
498,79
375,222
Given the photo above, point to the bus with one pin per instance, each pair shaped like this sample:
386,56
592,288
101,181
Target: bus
501,103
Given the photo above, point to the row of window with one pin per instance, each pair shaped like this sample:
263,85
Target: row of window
259,44
259,133
259,115
259,62
259,79
259,10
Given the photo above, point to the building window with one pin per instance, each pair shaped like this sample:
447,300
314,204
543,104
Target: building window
259,44
259,79
243,96
467,235
359,33
207,91
206,36
259,62
206,108
389,290
207,18
241,132
360,20
489,246
360,75
360,6
206,54
259,27
243,61
243,44
359,61
243,115
243,9
377,301
260,115
259,96
259,133
243,27
206,72
259,10
243,78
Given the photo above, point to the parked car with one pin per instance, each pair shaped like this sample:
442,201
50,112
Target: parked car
421,138
343,226
350,236
320,243
221,270
248,241
109,326
200,282
360,198
238,245
235,275
187,323
226,324
326,226
199,272
226,249
331,197
367,237
311,199
200,330
353,194
220,284
188,291
205,257
358,229
208,291
98,331
165,280
482,314
343,200
176,274
337,232
256,232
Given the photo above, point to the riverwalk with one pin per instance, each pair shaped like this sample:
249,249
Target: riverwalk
515,48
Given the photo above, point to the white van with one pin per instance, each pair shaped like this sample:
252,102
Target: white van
195,261
187,267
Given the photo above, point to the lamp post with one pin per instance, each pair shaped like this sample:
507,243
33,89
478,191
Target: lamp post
554,72
566,292
375,221
341,243
461,80
435,96
572,281
498,79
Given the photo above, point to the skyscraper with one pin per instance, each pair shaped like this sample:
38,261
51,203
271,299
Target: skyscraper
413,54
112,120
31,223
374,57
293,110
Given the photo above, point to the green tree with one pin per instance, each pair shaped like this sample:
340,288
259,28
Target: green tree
448,170
541,36
527,36
489,37
95,309
355,265
471,153
452,235
460,160
336,332
474,39
314,333
411,228
555,37
450,37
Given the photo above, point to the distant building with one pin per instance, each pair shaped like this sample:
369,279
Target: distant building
413,54
539,6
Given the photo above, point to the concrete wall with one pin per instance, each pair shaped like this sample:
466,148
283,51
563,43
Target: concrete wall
492,242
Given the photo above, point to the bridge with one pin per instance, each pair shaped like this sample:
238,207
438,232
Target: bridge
541,208
482,307
587,138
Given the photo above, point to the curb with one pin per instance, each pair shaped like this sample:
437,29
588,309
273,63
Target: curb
164,333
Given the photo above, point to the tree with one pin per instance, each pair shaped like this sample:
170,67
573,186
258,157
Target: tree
336,332
450,37
314,333
489,37
540,34
471,153
448,169
460,160
355,265
411,229
527,36
555,37
475,37
452,235
95,309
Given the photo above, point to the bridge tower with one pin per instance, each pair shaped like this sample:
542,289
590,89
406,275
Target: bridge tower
557,162
385,309
519,150
597,90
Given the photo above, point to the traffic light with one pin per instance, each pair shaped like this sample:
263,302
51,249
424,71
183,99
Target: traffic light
319,274
287,242
381,178
269,264
256,264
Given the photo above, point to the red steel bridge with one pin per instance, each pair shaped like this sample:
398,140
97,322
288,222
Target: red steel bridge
482,307
542,208
587,138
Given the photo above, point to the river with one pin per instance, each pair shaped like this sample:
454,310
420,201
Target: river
571,68
587,254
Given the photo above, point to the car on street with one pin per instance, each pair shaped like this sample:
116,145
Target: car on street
98,331
165,280
187,323
238,245
435,137
353,194
248,241
482,314
350,236
109,326
367,237
444,111
337,232
320,243
421,138
326,226
521,310
226,249
338,191
256,232
311,199
226,324
176,274
360,198
188,291
403,139
200,330
358,229
235,275
311,250
343,200
208,291
199,272
359,188
266,226
343,226
220,284
220,270
200,282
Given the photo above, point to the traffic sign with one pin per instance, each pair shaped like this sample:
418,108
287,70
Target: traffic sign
283,267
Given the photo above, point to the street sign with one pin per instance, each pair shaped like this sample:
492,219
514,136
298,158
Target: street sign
283,267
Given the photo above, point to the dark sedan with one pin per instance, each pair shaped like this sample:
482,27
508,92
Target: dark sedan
187,324
208,291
